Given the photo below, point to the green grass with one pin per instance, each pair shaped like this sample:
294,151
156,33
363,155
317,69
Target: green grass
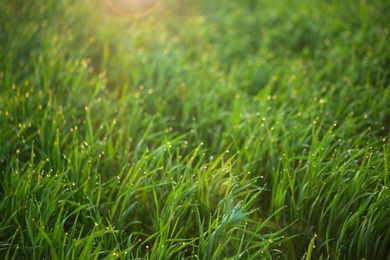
250,129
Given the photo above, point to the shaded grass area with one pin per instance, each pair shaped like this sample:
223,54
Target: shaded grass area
207,130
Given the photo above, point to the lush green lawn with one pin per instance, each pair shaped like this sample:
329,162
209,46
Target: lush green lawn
201,129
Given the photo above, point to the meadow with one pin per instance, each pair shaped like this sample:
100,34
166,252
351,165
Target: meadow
252,129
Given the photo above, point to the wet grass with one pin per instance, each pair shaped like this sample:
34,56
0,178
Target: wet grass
207,130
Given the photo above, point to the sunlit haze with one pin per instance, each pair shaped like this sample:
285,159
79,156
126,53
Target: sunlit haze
132,7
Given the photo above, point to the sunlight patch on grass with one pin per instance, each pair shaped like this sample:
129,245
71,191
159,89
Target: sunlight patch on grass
132,8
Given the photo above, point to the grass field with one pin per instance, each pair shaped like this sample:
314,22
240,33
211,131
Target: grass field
253,129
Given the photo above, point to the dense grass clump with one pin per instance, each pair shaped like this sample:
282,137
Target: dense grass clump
216,129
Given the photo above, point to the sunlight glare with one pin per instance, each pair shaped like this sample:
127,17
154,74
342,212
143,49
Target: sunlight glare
132,7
